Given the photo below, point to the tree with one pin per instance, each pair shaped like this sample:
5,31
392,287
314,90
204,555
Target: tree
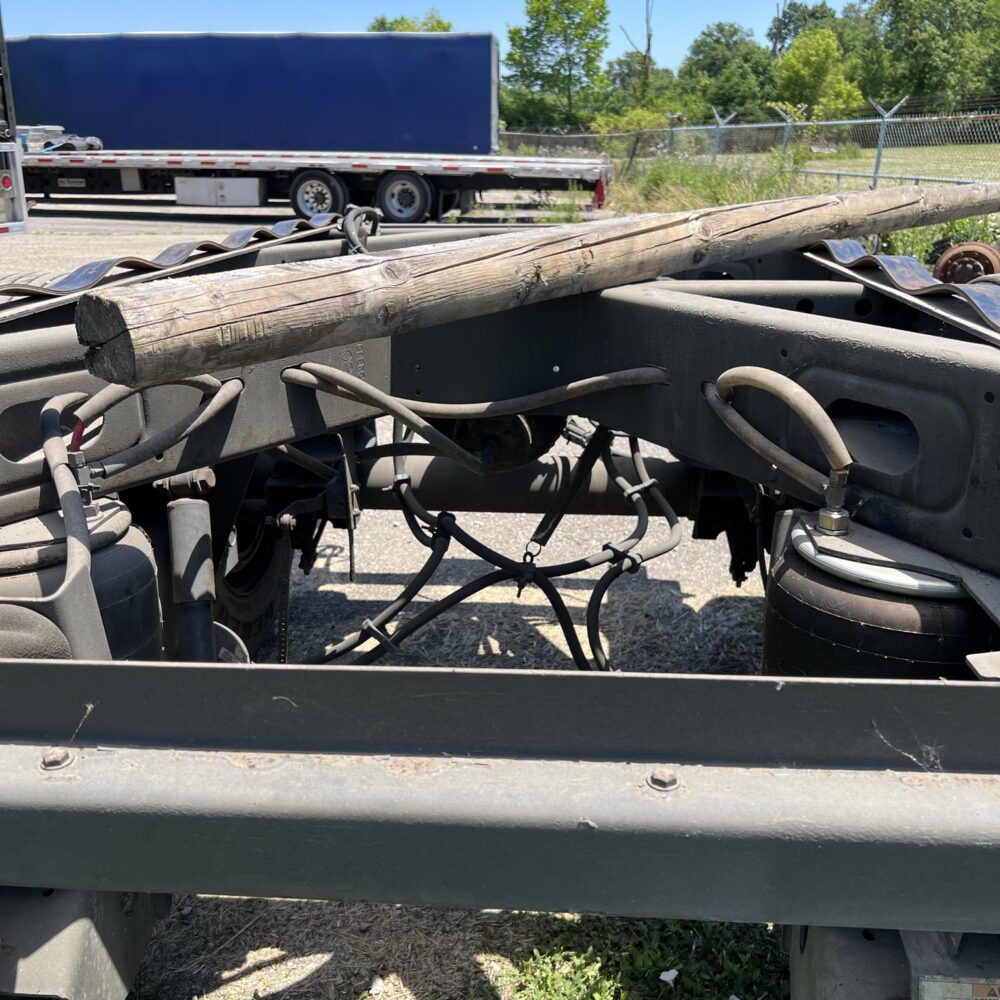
529,111
860,30
733,72
934,48
811,72
633,83
559,50
431,21
793,18
738,89
717,45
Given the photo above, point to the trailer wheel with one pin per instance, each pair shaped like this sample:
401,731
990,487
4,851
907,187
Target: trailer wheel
315,192
404,197
248,597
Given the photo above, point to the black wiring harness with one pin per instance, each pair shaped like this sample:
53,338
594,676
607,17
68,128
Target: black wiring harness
437,531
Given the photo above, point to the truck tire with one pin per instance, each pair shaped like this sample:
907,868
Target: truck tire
404,197
315,192
248,598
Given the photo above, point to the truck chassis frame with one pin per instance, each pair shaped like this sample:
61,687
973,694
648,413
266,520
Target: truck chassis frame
859,803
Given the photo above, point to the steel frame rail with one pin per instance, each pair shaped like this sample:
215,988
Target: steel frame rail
860,803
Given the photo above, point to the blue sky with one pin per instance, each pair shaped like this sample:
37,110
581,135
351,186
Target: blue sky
675,22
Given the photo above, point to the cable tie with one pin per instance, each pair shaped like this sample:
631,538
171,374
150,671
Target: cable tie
619,552
399,480
371,631
634,491
632,562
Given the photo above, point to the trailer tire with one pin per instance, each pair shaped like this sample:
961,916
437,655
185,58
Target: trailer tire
248,599
404,197
316,192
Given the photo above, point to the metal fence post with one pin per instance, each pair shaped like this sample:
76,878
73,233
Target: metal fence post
672,116
789,121
883,125
720,124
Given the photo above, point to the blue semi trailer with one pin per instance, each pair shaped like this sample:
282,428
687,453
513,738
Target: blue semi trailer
408,122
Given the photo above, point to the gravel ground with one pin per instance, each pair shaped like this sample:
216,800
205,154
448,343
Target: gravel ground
679,613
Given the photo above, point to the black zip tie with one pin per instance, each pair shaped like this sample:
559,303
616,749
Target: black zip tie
632,562
618,551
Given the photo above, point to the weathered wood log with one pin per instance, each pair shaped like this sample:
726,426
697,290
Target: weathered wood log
150,333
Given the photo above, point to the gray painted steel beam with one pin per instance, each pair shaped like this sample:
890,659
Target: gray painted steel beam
861,803
861,848
799,801
542,714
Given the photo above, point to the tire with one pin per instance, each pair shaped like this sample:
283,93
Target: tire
404,197
248,598
315,192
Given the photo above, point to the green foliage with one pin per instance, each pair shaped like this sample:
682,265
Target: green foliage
859,30
631,83
559,50
677,184
934,47
601,958
716,47
732,71
529,110
795,17
811,72
633,120
562,975
431,21
940,52
629,135
743,89
918,242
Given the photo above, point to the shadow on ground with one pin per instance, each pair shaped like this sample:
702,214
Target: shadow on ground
311,950
647,623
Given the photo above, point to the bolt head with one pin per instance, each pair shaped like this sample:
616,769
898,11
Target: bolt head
662,779
56,757
832,521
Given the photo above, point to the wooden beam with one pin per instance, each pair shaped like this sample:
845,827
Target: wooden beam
158,331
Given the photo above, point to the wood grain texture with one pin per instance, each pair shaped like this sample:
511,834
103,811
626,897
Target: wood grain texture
150,333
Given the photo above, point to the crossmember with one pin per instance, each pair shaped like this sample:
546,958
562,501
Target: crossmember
863,803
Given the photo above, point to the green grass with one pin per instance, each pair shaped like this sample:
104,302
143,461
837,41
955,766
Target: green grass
672,185
959,162
604,958
679,185
968,162
918,242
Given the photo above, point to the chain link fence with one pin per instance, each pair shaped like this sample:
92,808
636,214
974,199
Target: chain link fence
959,148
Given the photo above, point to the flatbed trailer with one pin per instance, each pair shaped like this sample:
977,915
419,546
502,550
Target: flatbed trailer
405,187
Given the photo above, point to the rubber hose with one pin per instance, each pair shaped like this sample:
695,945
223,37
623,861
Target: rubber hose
798,400
809,477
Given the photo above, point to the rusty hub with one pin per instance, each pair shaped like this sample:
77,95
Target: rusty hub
961,263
